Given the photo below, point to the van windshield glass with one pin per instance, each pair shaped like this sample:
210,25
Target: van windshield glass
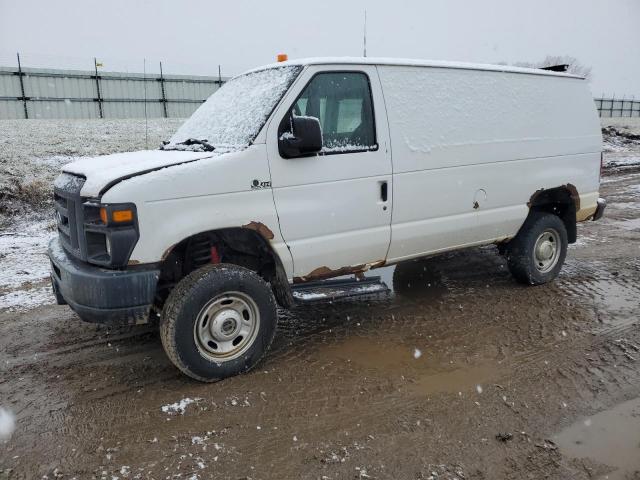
232,117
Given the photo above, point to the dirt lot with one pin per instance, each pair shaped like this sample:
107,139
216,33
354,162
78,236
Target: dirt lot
459,373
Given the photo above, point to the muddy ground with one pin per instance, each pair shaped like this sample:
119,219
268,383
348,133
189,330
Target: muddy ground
458,373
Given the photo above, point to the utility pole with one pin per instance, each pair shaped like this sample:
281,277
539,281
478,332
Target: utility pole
365,33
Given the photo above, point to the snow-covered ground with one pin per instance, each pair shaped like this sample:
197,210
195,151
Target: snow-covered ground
24,267
32,152
621,141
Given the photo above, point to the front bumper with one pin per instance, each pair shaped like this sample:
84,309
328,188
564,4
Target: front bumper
100,295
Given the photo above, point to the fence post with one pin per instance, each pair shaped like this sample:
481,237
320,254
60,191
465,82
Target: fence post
613,99
24,98
164,97
99,99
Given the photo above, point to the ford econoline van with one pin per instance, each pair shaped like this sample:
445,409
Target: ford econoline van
306,170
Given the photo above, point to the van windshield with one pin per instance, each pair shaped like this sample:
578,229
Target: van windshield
233,116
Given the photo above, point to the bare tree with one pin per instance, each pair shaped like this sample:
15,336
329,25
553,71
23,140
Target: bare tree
575,67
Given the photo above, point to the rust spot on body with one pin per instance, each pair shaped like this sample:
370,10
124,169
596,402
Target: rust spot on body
534,196
261,228
575,196
166,253
325,272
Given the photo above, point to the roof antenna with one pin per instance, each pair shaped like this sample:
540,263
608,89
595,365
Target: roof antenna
365,33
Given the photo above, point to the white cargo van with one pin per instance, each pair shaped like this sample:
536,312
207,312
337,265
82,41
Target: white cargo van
305,170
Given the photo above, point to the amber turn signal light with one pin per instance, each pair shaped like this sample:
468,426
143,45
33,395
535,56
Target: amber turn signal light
117,216
120,216
282,57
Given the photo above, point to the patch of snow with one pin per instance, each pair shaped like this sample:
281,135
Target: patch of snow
347,148
417,353
99,171
287,136
479,388
308,296
24,265
179,407
7,424
621,161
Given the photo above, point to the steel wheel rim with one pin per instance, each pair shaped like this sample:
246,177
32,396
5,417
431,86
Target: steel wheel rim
226,326
546,250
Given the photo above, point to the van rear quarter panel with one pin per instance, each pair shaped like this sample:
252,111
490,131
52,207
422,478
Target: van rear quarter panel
459,136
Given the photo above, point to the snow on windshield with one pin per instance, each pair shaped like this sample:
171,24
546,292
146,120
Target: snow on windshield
233,115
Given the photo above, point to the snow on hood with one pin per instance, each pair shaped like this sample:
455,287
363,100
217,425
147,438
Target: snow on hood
105,170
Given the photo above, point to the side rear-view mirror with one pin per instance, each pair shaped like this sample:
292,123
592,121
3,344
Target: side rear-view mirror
305,139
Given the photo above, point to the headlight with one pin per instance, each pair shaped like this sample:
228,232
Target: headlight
111,232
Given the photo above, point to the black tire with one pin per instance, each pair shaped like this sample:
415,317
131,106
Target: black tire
188,300
521,255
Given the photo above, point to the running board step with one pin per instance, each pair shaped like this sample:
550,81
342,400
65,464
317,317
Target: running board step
334,289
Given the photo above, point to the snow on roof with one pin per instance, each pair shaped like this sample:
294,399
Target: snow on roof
409,62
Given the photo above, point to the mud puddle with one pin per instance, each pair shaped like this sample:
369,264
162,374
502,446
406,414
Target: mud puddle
425,373
611,438
613,295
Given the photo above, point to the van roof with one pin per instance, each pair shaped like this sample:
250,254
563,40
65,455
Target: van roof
408,62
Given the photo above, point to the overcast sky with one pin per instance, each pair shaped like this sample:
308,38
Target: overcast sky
194,36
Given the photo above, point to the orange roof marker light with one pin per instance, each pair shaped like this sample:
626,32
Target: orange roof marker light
282,57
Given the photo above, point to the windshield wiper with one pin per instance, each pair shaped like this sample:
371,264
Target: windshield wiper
200,145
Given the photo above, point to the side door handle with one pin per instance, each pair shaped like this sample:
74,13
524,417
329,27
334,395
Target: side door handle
383,191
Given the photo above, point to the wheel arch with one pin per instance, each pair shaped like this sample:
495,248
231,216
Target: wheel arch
563,201
248,246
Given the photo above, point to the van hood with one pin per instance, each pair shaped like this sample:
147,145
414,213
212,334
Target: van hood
104,171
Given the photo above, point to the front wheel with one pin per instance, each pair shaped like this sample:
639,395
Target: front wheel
219,321
536,254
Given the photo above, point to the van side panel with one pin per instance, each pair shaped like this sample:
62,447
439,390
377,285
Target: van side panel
471,147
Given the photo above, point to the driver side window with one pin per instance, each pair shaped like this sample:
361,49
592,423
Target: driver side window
341,101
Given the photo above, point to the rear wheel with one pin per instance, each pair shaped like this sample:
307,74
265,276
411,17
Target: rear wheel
218,321
536,255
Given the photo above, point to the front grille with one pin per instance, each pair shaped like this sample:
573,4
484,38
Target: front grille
69,214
